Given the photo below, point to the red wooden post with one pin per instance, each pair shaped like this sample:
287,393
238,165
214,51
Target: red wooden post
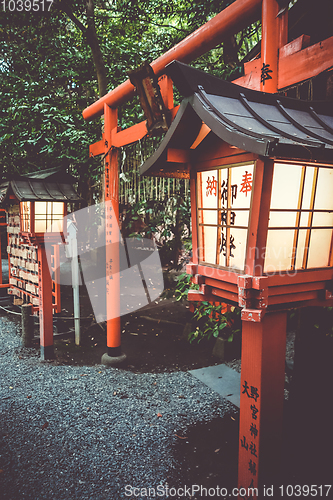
166,86
112,235
56,281
1,263
45,306
261,403
283,29
269,46
193,191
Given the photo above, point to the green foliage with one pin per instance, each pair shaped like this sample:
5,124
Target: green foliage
211,322
167,221
44,77
184,284
208,319
48,74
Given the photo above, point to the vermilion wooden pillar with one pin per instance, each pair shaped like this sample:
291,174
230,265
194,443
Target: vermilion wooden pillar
261,402
45,306
283,28
0,262
269,46
111,185
166,87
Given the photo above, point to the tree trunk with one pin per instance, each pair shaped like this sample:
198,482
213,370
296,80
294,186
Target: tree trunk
91,37
92,40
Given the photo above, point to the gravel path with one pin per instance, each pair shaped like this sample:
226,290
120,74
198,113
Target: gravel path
71,432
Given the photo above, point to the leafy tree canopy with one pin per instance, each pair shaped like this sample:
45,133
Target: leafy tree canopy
55,63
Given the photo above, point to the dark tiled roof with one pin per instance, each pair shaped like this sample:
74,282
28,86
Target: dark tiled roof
265,124
47,185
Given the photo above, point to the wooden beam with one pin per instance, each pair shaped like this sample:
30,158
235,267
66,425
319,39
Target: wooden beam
203,132
125,137
97,148
228,296
231,20
292,278
306,64
299,287
129,135
296,45
217,273
292,297
293,68
178,155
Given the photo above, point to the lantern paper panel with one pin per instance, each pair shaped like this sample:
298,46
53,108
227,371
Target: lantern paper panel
301,218
49,216
224,199
26,216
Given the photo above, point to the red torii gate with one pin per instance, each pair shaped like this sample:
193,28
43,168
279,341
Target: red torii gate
283,73
241,13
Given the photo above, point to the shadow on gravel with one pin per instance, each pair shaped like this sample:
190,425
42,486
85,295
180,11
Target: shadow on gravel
152,338
209,454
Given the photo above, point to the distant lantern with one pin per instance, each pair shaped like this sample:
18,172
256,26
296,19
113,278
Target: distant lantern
43,198
42,216
37,204
261,176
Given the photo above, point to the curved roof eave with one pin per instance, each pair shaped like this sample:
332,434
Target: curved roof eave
181,135
264,124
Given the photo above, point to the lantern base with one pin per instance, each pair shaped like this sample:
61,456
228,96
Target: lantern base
114,360
46,353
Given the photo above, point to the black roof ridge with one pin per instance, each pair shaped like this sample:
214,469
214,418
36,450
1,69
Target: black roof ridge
186,78
284,128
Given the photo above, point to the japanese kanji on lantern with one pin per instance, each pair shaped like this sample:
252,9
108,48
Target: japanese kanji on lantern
261,175
224,197
300,216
